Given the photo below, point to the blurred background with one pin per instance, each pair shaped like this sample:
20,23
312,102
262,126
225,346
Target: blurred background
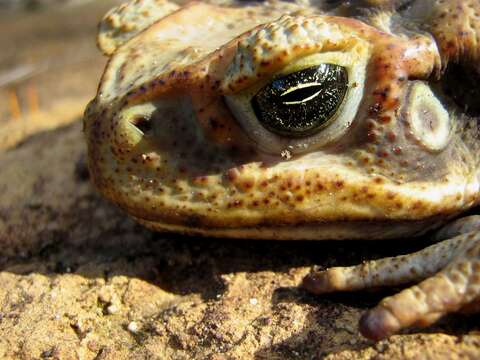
49,63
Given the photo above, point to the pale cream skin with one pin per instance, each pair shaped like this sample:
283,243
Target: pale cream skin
173,138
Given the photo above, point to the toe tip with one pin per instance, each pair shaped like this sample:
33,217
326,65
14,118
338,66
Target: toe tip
316,283
378,324
327,281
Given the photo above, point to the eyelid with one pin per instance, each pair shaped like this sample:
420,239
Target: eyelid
355,61
271,48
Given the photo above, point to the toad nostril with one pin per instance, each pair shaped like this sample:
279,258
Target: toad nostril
427,118
144,124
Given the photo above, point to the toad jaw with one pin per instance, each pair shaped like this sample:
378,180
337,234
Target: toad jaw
177,155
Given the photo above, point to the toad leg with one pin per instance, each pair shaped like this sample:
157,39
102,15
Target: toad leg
451,269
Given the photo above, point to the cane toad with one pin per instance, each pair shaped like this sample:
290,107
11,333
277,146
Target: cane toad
302,120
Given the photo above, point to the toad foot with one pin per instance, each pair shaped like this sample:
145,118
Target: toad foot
451,270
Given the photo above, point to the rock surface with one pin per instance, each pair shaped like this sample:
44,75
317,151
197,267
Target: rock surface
80,280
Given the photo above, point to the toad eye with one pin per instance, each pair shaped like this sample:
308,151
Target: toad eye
301,103
306,105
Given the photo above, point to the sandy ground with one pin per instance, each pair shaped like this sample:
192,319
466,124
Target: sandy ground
48,57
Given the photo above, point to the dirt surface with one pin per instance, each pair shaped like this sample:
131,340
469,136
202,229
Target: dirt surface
80,280
34,5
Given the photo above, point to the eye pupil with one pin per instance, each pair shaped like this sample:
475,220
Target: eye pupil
301,94
301,103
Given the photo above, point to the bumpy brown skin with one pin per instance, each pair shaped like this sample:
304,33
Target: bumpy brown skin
165,146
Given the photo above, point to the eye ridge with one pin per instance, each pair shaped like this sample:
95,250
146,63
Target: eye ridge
301,103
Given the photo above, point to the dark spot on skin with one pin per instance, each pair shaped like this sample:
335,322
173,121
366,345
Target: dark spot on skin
371,125
232,175
397,150
385,119
372,137
248,184
391,136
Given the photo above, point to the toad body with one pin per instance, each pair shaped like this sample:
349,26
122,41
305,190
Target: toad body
302,120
